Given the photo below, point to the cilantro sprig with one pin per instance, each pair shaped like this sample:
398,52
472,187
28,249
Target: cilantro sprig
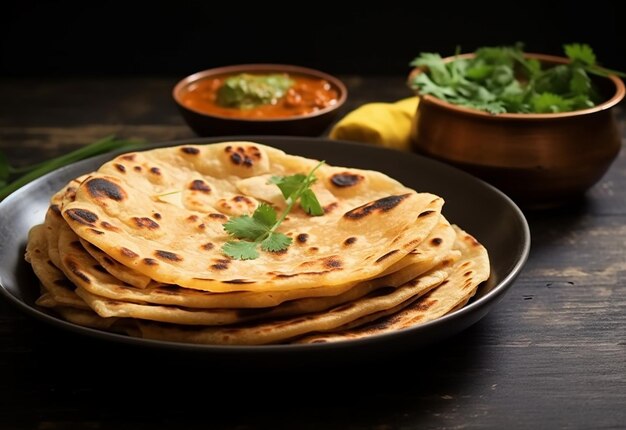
260,228
500,79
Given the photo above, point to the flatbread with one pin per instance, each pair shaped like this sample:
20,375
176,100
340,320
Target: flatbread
58,291
87,318
467,274
438,243
429,253
372,221
135,248
277,331
51,225
85,272
54,219
115,268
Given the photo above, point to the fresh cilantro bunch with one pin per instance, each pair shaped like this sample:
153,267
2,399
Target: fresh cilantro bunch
499,80
260,228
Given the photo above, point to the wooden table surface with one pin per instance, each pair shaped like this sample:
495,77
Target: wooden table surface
551,354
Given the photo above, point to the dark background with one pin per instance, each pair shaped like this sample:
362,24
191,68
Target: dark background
177,37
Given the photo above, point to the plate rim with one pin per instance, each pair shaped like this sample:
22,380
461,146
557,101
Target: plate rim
480,304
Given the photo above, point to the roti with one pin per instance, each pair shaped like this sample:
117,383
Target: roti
125,274
58,291
136,248
277,331
430,253
89,276
371,221
470,271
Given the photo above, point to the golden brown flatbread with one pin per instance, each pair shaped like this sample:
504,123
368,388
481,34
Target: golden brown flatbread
276,331
58,290
135,248
428,254
468,272
371,220
86,273
125,274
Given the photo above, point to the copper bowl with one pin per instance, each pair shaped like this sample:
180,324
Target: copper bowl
206,124
539,160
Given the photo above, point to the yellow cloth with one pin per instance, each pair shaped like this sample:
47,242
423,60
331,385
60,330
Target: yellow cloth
385,124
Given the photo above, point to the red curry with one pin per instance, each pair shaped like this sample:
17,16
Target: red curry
305,96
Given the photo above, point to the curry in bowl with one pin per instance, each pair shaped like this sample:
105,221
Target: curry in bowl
260,99
260,95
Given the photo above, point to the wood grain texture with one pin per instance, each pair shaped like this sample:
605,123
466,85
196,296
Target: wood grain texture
551,354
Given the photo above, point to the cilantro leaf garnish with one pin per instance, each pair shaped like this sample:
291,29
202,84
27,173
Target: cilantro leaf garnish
276,242
310,204
288,185
265,214
260,228
500,79
246,227
241,250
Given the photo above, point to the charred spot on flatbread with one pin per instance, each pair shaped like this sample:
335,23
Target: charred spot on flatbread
346,179
379,206
145,222
167,255
82,216
190,150
104,188
200,185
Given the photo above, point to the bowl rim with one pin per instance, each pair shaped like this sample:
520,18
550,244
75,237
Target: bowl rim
261,67
618,96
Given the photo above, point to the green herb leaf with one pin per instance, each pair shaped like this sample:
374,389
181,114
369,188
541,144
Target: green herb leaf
276,242
310,204
288,185
241,250
436,67
554,80
533,67
580,84
500,79
479,71
549,103
580,102
427,86
265,214
245,227
580,52
261,227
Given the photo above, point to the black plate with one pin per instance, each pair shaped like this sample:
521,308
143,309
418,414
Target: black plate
475,206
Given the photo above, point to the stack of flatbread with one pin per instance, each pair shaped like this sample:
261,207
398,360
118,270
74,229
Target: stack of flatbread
136,248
